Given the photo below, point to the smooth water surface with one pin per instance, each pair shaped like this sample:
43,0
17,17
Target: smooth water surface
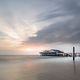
40,68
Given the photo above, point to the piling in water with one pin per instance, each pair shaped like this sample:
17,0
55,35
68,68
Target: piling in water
73,53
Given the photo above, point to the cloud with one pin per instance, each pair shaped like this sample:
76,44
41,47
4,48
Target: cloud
63,31
61,8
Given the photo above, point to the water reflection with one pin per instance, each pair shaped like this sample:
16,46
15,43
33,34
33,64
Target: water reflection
41,69
74,67
18,70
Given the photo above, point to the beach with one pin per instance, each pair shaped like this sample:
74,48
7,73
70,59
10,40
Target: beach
40,68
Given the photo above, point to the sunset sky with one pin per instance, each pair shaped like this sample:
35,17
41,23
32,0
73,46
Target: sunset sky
35,25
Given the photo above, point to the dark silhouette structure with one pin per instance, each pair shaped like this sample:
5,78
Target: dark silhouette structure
73,53
52,52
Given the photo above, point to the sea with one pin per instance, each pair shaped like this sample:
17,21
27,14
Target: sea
36,67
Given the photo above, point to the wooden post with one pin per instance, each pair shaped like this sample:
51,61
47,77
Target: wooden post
73,53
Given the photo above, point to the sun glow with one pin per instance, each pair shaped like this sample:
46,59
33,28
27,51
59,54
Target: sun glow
31,49
28,49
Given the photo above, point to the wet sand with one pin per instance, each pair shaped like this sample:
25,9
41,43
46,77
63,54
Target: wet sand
60,68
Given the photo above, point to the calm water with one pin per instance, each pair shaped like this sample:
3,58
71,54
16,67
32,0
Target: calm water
39,68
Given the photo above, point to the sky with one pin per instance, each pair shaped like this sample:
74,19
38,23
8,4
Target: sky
35,25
